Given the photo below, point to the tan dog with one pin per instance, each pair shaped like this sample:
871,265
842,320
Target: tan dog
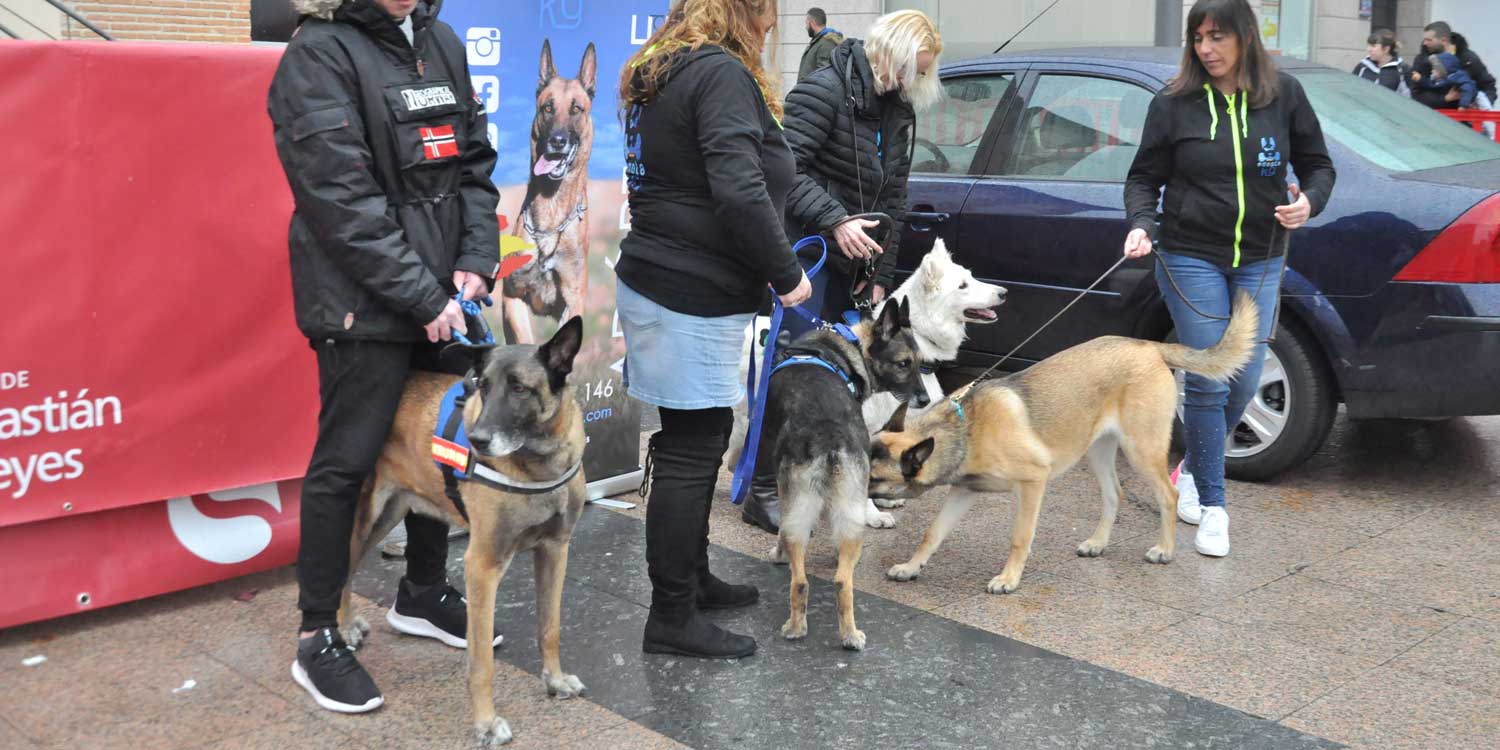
554,211
525,424
1091,400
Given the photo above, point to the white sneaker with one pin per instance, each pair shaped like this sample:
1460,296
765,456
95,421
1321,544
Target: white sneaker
1213,533
1188,508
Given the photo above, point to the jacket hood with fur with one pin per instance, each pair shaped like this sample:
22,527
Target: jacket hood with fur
325,9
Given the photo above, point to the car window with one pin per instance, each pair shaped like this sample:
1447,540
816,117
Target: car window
949,135
1081,128
1390,130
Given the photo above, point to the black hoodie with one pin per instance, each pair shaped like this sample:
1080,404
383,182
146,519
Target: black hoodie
1224,168
708,172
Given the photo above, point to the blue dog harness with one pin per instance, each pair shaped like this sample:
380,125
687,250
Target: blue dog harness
451,450
757,387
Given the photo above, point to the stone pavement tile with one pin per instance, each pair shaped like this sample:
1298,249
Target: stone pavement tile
1062,615
307,732
1234,665
1391,709
1265,549
1359,506
628,736
1440,578
12,739
140,709
1465,655
1335,618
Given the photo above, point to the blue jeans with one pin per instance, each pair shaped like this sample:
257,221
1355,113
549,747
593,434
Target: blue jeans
1211,410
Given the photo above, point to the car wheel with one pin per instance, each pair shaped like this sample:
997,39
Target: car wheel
1288,418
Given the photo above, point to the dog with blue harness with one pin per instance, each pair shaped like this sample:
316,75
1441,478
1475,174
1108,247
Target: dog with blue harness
806,422
498,451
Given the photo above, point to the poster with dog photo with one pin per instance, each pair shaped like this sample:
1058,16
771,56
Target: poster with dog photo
547,72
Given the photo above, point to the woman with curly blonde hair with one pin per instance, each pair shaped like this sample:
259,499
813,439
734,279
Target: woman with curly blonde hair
708,172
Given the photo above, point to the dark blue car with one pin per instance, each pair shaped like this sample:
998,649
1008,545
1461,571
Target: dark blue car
1391,304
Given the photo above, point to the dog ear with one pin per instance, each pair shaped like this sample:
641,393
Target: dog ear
548,71
889,321
915,457
558,353
905,310
897,422
588,70
932,267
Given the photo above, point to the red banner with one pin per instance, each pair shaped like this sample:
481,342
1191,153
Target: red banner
149,349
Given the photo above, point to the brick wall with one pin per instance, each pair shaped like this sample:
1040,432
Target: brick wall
164,20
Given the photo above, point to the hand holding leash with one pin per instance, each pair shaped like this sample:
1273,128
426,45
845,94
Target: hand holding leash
852,239
1137,244
449,320
799,295
470,285
1296,213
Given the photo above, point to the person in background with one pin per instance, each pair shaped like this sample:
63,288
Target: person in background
824,40
1219,138
1437,38
852,128
1448,76
380,247
707,170
1383,63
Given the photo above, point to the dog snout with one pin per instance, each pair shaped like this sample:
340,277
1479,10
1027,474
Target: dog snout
1000,293
557,143
922,399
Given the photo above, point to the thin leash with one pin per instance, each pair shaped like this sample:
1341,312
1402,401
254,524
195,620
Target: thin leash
1265,272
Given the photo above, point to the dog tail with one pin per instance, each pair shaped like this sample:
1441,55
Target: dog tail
1225,359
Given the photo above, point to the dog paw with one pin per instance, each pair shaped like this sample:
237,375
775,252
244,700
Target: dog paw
356,632
493,733
778,555
880,520
888,504
903,572
794,630
855,641
1090,548
563,686
1002,585
1158,555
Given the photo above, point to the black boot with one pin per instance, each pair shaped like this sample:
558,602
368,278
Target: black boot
714,593
684,469
763,507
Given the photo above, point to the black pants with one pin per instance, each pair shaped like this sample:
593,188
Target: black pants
359,384
684,463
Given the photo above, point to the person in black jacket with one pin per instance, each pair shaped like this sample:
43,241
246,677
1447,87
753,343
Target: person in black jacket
385,151
1219,138
707,171
823,41
852,128
1437,38
1383,63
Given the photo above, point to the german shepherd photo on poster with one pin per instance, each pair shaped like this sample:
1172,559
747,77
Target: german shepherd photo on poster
553,215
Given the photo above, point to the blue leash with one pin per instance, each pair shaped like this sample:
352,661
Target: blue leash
756,387
471,309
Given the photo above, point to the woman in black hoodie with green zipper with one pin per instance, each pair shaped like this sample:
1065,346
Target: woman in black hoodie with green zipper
1219,138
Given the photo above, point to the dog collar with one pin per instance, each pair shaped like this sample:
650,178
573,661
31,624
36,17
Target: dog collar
958,407
807,359
454,455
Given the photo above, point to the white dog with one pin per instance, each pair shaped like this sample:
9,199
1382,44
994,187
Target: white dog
944,297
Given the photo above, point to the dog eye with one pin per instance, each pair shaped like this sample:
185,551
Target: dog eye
518,388
964,285
903,364
548,108
575,109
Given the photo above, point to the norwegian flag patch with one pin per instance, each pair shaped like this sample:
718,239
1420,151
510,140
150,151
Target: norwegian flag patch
438,142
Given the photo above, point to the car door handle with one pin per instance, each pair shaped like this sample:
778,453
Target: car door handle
922,221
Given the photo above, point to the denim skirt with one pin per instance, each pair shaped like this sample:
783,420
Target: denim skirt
680,361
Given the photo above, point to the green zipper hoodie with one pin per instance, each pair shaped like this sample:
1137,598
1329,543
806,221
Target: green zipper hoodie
1224,167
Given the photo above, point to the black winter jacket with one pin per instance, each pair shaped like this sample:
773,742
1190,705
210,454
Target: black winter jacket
1225,172
708,172
1472,64
828,127
385,150
1394,75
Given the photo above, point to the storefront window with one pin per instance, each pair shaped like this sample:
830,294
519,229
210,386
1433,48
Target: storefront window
1286,27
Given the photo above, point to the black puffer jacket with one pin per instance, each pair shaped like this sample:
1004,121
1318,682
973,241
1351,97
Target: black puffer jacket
827,125
385,149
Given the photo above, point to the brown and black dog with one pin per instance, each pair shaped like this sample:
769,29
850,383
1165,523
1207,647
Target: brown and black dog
1087,402
526,426
554,211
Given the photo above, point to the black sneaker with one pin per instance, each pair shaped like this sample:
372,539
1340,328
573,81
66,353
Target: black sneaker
437,612
326,668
